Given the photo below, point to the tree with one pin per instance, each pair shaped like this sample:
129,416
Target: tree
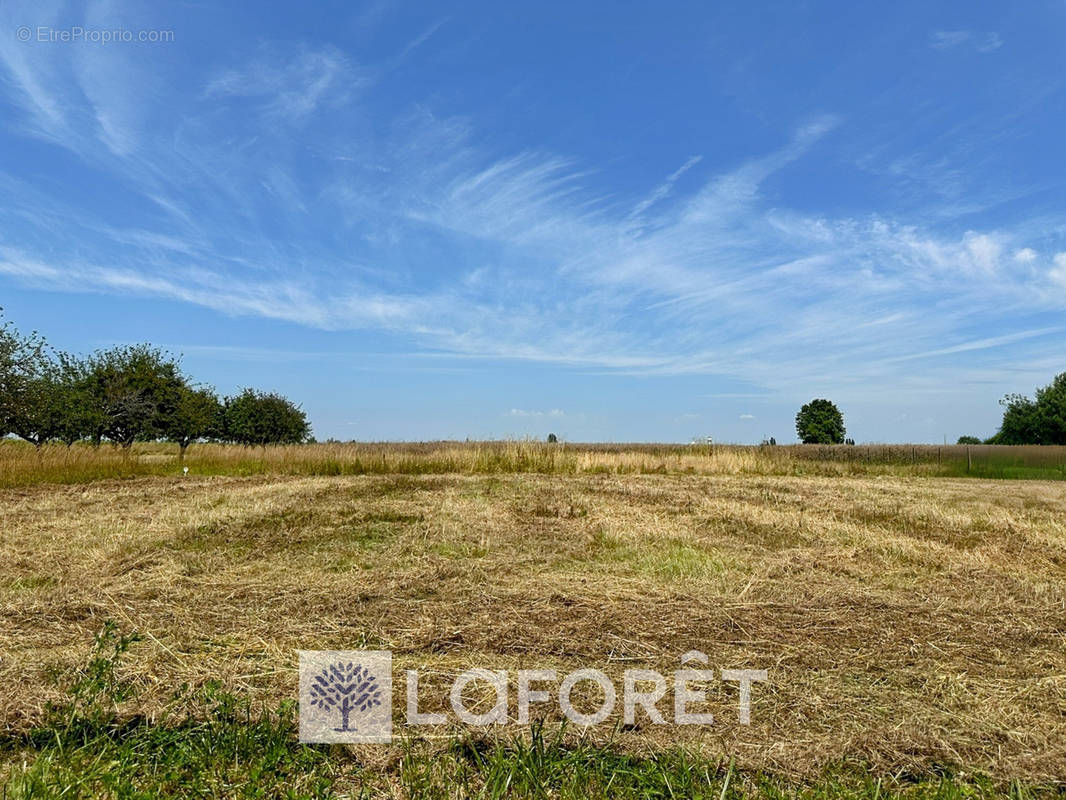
820,422
1039,421
131,390
196,415
72,399
37,410
968,440
27,375
262,418
1051,402
552,438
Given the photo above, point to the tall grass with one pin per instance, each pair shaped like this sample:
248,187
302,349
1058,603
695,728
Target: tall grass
21,464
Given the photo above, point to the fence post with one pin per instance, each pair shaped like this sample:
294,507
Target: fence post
968,461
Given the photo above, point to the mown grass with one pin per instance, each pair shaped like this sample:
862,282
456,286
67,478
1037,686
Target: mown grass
913,629
907,624
22,465
224,749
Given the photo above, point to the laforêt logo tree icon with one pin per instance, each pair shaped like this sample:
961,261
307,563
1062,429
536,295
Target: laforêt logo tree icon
346,687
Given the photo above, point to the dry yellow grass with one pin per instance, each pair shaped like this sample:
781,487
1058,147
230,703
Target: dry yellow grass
22,465
907,622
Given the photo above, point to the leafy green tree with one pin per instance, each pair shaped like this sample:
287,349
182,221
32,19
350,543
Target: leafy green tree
196,415
820,422
28,373
968,440
131,391
38,414
72,399
260,418
1039,421
1020,424
18,357
1051,402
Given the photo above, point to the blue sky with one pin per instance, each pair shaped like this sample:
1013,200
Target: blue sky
616,221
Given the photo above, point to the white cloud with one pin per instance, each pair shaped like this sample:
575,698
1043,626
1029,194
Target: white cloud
664,189
1025,255
520,257
1058,272
33,74
942,40
981,42
747,416
419,40
989,42
984,250
294,86
518,412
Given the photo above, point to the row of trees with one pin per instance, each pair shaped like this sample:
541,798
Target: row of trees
128,394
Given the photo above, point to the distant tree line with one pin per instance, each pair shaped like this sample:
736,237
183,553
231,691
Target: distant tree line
1025,420
127,394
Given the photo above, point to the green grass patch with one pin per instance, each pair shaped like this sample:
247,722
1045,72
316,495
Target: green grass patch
668,559
30,582
228,752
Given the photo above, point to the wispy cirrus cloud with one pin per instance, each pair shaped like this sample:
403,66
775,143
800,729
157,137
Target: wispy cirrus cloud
981,42
519,412
416,229
291,86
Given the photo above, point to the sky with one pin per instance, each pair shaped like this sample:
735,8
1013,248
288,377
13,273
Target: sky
608,221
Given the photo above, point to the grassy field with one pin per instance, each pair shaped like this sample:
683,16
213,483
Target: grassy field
913,626
21,464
